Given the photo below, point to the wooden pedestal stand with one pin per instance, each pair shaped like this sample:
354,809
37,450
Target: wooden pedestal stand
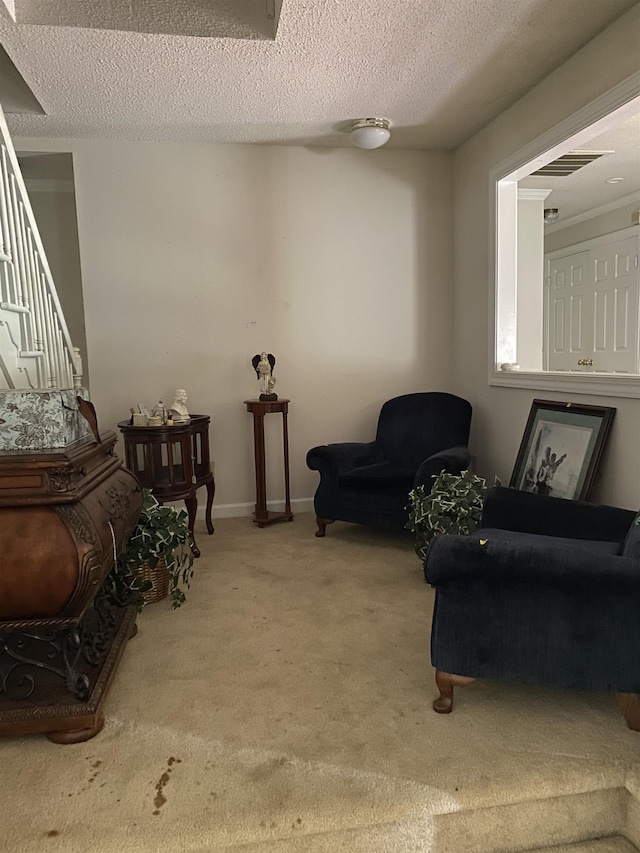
260,408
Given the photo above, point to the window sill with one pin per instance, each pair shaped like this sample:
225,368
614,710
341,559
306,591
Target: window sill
577,383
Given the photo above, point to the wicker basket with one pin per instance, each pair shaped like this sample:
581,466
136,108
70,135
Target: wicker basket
158,577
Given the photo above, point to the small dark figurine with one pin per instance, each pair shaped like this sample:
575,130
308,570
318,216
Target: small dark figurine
263,364
88,412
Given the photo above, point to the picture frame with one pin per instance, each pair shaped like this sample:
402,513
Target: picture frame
561,448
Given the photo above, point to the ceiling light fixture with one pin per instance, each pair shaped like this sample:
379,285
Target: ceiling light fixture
370,132
551,215
614,180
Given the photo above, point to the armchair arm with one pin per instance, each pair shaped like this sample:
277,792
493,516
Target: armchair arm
453,461
455,559
529,512
337,459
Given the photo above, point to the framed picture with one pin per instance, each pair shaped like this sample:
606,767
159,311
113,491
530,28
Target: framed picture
561,449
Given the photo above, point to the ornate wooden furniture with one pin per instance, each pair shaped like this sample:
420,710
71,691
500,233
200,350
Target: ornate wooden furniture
64,515
173,461
260,408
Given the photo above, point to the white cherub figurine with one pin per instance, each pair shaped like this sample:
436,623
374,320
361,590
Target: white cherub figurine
264,364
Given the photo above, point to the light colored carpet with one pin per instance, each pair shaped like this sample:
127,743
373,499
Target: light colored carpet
287,707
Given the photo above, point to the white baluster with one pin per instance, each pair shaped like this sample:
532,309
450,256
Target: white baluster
42,345
39,316
55,343
67,380
49,340
19,254
27,289
5,249
64,380
11,227
15,206
77,368
36,314
4,229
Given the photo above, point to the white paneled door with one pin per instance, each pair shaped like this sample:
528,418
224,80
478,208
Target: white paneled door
592,307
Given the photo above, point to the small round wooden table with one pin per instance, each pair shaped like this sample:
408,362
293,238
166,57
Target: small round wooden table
173,461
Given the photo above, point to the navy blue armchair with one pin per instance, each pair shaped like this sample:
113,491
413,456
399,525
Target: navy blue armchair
546,592
418,435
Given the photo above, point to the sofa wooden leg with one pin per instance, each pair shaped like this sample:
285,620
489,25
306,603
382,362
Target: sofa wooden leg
445,682
629,704
322,525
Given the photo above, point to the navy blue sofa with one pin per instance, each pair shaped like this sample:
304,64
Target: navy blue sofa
546,592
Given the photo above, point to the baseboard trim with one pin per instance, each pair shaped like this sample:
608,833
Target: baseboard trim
243,510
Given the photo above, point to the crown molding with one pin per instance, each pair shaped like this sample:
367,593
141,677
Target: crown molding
623,201
525,194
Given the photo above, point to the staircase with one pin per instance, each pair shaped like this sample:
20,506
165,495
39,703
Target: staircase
36,351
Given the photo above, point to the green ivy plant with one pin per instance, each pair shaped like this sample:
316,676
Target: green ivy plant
454,505
125,588
162,531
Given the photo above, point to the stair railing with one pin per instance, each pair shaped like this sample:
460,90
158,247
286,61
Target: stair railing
27,290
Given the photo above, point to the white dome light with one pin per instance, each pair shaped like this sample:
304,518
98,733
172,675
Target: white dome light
370,132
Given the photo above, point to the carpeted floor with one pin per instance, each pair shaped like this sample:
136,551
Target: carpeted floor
286,707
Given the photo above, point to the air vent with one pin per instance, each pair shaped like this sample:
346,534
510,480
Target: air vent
570,163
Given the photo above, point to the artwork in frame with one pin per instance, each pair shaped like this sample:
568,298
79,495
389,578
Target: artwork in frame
561,449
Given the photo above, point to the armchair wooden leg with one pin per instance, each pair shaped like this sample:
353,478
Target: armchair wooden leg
629,704
322,525
445,682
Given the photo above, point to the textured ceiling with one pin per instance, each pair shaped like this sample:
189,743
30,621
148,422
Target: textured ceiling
15,95
438,69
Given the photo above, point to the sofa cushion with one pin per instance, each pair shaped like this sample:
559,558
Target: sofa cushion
379,477
543,541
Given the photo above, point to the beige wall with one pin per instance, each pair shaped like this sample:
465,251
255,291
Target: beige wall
194,258
339,261
500,413
529,276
